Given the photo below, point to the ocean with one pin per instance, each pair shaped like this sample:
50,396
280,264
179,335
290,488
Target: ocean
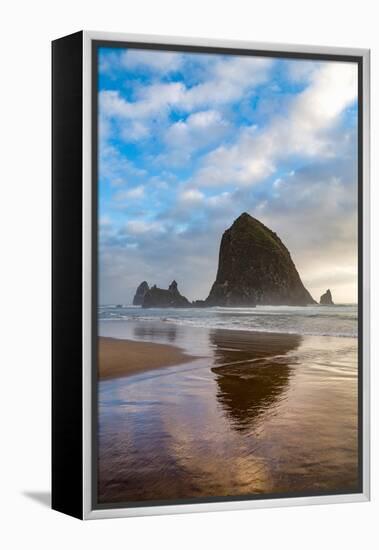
338,320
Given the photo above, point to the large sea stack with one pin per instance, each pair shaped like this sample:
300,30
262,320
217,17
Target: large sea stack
326,299
140,294
159,297
255,268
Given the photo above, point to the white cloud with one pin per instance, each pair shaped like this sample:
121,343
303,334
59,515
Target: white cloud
140,227
134,193
115,168
200,129
228,80
134,131
221,80
205,119
105,221
111,61
160,61
152,100
301,70
191,197
156,182
220,200
334,87
303,131
197,125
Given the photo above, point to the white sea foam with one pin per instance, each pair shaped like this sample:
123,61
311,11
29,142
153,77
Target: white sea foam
338,320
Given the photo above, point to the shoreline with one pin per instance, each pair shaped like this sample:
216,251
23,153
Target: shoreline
120,358
254,331
337,321
122,355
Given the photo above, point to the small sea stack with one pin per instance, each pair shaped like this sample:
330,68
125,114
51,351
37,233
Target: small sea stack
140,294
159,297
326,299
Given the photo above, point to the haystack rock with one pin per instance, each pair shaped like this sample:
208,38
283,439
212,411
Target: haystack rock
159,297
255,268
326,299
140,294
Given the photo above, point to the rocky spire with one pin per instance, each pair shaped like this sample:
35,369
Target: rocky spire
326,299
140,293
255,268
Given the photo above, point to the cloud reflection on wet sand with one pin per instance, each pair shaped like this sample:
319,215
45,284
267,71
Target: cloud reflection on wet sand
260,414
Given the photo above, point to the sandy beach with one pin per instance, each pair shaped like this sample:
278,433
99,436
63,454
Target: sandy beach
126,357
251,413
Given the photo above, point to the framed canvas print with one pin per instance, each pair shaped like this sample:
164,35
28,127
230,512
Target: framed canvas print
210,275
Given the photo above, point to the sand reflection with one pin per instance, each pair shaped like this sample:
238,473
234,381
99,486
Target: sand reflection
152,332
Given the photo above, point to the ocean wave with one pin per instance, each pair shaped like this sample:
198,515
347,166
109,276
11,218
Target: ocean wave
339,321
237,326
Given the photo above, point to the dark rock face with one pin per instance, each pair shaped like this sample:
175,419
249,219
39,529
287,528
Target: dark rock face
140,294
255,268
159,297
326,299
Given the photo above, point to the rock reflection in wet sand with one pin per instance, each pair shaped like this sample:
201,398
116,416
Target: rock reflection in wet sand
153,332
254,373
260,414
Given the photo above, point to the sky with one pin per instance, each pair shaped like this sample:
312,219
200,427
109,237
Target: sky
187,142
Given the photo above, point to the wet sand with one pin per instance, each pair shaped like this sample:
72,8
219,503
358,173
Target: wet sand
126,357
250,414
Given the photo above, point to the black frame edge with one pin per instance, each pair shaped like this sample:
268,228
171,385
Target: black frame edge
67,402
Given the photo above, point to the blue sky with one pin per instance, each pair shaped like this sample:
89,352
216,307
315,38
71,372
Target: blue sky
189,141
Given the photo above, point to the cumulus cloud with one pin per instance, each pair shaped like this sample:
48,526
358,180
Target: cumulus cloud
202,125
153,60
141,227
302,131
134,193
112,61
227,80
115,168
199,130
152,100
314,210
191,196
196,142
